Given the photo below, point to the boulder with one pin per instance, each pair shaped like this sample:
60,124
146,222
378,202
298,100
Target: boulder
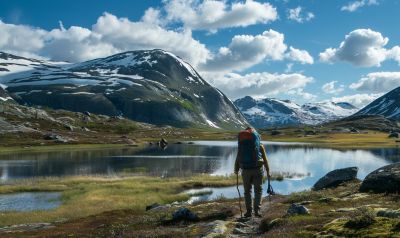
184,214
163,143
393,135
336,177
297,209
383,180
56,138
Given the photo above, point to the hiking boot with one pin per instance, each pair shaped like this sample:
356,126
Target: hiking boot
247,214
257,214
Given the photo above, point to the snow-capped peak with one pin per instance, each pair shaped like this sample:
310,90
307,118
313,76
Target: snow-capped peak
274,112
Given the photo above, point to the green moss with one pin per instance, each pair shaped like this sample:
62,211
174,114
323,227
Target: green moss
382,227
120,127
396,227
187,105
304,196
362,218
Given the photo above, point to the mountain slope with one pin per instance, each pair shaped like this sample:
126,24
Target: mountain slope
152,86
273,112
387,105
4,95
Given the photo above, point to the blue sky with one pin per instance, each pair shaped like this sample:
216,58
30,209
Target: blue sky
276,48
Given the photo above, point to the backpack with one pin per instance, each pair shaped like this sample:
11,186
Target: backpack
249,149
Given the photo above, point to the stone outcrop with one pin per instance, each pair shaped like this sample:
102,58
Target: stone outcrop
336,177
383,180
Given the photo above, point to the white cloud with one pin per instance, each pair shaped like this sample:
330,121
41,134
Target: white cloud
108,36
358,100
213,15
245,51
258,84
378,82
394,53
152,16
297,14
362,47
331,88
304,95
301,56
353,6
127,35
14,38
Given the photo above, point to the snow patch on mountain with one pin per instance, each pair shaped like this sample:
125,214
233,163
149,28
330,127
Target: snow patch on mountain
387,105
152,86
274,112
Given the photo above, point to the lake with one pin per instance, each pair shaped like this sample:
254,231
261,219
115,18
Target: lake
305,162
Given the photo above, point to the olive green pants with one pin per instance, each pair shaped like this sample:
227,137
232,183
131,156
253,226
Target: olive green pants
252,177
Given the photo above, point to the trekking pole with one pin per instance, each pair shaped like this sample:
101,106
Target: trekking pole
237,187
269,193
270,190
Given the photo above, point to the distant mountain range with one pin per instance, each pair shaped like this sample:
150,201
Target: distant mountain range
152,86
157,87
270,112
387,105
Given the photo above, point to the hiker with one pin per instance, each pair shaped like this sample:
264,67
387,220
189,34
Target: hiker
250,159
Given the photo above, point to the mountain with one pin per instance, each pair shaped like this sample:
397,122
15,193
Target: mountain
273,112
387,105
152,86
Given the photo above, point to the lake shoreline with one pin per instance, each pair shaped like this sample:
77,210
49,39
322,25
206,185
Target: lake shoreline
369,140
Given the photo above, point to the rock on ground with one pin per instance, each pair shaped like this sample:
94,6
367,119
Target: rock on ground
217,228
297,209
383,180
184,214
336,177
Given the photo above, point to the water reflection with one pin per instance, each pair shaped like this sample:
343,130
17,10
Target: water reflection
211,157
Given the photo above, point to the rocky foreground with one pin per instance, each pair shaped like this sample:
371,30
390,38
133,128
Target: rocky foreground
335,207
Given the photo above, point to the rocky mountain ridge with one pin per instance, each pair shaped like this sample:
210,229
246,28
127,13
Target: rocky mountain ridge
151,86
387,105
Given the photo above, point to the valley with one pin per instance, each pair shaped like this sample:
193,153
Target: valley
107,138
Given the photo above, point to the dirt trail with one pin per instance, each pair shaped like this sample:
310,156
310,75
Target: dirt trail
248,227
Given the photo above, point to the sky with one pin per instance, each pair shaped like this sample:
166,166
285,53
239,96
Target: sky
302,50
